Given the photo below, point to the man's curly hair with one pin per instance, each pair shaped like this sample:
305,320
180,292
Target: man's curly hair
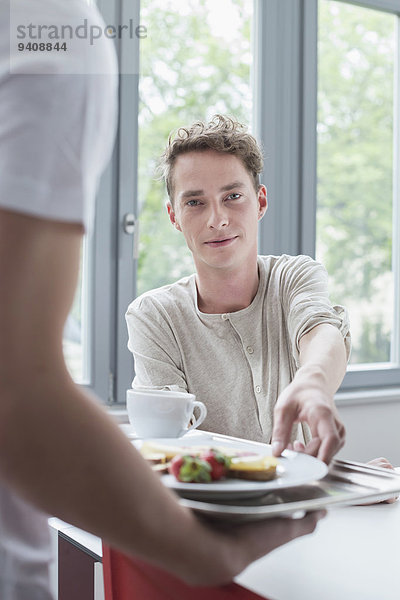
222,134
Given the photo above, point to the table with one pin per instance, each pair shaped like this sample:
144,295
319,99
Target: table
354,554
79,573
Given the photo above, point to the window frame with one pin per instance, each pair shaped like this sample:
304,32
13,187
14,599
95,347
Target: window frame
101,299
111,280
126,241
101,275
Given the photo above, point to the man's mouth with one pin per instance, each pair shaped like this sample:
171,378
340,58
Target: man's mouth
219,242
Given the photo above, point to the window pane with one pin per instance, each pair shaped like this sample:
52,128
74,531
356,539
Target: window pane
196,62
356,69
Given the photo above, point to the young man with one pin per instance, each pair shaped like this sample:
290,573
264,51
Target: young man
254,337
59,452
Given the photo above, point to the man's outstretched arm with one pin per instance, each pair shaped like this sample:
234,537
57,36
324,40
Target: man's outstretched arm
60,450
310,396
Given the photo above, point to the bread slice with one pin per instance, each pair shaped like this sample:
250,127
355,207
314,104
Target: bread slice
149,448
253,468
155,458
160,468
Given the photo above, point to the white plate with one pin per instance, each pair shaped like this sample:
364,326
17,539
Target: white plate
294,469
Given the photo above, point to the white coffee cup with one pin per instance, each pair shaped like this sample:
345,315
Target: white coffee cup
162,413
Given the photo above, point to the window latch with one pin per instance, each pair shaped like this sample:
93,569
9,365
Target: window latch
131,227
129,223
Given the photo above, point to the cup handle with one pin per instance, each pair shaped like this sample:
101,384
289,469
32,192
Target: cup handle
202,416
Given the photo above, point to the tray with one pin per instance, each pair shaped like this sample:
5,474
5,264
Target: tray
347,482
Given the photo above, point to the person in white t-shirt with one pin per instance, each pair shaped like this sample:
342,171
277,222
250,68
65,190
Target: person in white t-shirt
59,452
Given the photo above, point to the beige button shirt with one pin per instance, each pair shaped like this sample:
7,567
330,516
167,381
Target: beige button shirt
236,363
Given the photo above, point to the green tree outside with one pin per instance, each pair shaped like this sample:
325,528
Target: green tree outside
355,168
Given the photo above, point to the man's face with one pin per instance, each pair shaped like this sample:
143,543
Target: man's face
217,209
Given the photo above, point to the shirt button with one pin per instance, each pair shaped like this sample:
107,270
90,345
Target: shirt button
224,317
250,349
258,389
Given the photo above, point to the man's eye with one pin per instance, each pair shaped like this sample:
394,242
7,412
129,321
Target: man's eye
192,203
233,196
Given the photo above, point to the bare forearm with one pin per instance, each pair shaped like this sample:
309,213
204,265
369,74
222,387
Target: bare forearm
309,397
68,458
323,358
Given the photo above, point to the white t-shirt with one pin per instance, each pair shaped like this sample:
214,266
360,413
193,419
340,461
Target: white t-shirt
56,136
236,363
56,131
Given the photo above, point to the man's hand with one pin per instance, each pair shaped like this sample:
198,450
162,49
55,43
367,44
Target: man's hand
306,400
309,397
383,463
223,551
264,537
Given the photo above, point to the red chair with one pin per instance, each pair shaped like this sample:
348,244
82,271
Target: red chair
128,579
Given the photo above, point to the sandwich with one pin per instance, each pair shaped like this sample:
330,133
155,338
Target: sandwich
204,464
253,468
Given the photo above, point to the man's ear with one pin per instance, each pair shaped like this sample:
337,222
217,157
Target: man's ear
172,216
262,201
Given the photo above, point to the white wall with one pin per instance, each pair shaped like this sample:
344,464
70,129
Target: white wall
372,429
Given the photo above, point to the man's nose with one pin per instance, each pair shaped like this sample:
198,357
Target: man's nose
218,217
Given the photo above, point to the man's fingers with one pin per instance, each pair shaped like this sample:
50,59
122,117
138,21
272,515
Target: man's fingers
308,523
285,416
264,536
329,431
330,444
313,446
294,528
381,462
341,429
390,500
299,446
